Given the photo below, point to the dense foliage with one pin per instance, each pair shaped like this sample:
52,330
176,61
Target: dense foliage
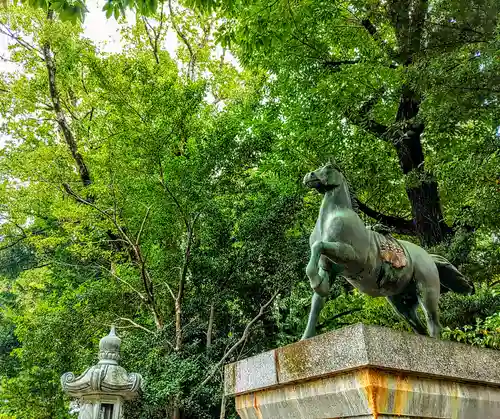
163,193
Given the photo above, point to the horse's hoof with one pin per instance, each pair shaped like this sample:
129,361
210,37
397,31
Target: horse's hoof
305,337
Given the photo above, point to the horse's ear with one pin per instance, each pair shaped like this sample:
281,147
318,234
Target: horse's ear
332,162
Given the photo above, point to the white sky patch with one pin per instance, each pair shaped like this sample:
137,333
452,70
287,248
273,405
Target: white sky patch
105,33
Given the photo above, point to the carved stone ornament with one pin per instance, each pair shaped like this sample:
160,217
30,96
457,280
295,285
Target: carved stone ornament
105,378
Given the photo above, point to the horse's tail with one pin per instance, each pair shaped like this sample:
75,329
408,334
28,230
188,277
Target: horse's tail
451,278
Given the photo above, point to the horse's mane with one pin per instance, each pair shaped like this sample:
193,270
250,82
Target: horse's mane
350,188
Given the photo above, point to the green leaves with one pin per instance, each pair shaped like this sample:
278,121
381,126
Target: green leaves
227,145
67,10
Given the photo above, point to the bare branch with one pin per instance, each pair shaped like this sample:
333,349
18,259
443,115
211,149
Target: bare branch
140,294
142,226
192,54
136,253
170,291
210,326
152,39
244,336
78,198
4,29
137,325
187,254
182,282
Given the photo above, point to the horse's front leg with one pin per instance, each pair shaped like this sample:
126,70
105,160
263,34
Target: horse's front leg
337,252
318,298
317,304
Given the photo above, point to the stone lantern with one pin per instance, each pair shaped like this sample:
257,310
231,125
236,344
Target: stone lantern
102,389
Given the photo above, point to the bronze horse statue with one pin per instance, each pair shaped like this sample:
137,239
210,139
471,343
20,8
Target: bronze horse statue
374,263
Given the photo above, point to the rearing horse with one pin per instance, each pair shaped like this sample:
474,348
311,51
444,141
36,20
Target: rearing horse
375,264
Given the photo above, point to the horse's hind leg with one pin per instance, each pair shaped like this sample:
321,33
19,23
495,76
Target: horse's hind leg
428,290
406,306
429,300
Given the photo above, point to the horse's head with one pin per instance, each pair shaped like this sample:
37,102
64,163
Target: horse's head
324,179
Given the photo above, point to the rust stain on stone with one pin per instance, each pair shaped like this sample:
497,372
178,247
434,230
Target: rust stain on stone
256,406
241,402
401,394
374,384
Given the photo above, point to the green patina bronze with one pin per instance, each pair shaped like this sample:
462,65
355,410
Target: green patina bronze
376,264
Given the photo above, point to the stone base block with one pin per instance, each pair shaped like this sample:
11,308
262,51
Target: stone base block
368,372
372,393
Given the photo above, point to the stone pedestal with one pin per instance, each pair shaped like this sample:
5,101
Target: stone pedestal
102,389
367,372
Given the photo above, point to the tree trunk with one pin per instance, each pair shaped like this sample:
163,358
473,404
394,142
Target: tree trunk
210,326
178,325
223,406
422,188
60,116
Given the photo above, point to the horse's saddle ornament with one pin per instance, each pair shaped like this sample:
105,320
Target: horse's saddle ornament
392,252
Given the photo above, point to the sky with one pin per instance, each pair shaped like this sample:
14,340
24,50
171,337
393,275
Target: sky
105,32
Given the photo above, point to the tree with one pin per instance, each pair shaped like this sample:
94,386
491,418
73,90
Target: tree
385,75
123,174
163,194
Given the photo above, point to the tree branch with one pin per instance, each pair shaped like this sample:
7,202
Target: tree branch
244,336
494,283
8,246
400,225
182,283
374,127
345,313
335,65
141,296
78,198
60,116
4,29
169,192
137,255
184,39
152,42
137,325
342,314
361,118
138,240
210,326
369,26
187,254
